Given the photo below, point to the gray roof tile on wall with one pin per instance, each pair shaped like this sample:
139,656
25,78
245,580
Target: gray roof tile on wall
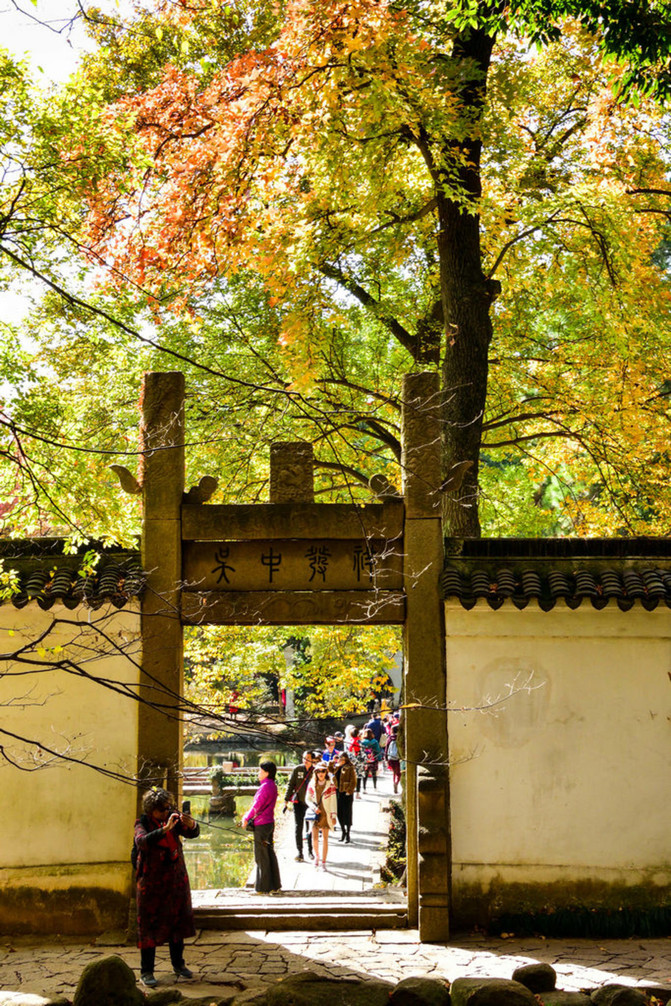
624,572
45,575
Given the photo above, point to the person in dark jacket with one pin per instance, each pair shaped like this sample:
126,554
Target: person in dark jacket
262,813
164,911
376,726
295,797
345,780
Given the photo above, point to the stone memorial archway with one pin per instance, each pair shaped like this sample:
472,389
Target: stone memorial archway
294,561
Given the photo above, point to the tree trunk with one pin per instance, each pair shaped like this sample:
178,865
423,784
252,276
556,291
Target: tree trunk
468,332
467,296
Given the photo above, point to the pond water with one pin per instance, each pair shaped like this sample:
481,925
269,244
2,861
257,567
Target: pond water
223,854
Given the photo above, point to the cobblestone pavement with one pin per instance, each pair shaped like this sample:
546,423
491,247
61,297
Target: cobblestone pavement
226,961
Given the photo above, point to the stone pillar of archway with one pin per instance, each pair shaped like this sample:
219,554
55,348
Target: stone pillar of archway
161,675
426,751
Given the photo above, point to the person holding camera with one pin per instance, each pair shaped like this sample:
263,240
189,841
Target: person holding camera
164,910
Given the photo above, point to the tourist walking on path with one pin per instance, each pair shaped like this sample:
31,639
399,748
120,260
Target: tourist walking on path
262,814
322,810
350,732
375,725
358,759
373,754
393,758
330,753
164,912
345,780
295,797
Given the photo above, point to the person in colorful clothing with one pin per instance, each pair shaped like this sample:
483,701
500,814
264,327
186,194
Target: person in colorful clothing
375,725
356,756
330,752
321,801
164,911
373,754
262,813
394,758
295,797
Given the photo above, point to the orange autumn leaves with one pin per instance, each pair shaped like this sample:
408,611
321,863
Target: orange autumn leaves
287,155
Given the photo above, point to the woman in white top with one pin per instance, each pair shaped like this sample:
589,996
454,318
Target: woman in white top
321,800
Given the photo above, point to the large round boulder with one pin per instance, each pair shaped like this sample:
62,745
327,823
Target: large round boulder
306,989
618,995
536,977
420,992
107,982
490,992
559,998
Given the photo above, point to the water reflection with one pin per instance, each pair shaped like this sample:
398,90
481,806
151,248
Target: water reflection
223,854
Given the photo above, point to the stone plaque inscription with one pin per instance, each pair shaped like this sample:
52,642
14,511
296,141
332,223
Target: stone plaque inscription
292,564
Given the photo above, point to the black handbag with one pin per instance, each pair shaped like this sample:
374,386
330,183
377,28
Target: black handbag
249,825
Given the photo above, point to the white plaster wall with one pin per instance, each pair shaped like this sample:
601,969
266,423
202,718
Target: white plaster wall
568,776
63,813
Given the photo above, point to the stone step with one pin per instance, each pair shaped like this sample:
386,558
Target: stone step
279,919
243,909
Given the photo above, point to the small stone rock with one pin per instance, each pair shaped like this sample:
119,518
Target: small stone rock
629,997
420,992
618,995
490,992
657,991
536,977
107,982
557,998
307,988
163,997
211,1000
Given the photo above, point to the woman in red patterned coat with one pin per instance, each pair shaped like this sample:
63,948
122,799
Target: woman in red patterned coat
164,912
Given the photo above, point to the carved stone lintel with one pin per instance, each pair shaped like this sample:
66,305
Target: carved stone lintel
338,607
237,522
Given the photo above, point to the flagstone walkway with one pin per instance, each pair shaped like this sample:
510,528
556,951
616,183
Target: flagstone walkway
252,960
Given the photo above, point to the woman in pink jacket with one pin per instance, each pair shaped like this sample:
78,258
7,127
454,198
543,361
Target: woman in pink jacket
262,814
321,800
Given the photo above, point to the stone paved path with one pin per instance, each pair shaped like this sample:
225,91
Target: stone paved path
240,961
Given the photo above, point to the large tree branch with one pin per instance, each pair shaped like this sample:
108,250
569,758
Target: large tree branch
406,339
410,218
335,466
530,437
519,237
519,418
344,383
